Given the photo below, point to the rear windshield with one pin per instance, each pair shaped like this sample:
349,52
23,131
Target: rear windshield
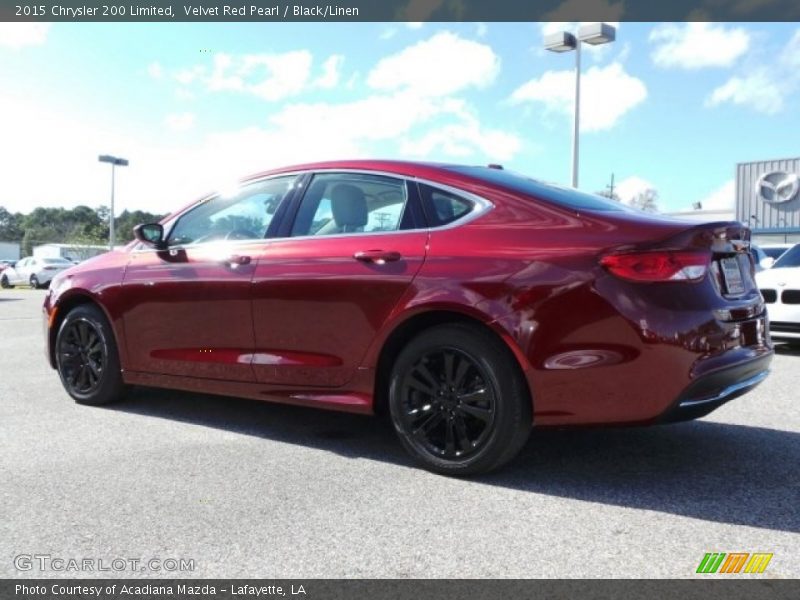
563,196
790,258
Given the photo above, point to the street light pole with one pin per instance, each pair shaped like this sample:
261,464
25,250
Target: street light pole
564,41
114,162
576,132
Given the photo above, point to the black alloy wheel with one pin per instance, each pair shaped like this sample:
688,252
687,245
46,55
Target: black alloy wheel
458,401
448,403
87,358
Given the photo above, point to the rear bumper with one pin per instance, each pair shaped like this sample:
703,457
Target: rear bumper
714,389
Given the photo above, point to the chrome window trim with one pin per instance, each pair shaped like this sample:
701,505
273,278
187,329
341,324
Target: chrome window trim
480,206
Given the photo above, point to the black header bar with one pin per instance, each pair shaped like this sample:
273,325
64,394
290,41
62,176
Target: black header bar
400,10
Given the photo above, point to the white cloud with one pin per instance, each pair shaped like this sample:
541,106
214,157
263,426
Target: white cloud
272,77
790,56
168,169
179,121
155,70
331,69
414,24
364,119
757,90
481,29
698,45
188,76
630,187
461,140
764,89
268,76
723,198
607,94
19,35
441,65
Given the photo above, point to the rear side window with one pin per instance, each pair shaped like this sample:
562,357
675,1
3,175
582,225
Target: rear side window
563,196
442,207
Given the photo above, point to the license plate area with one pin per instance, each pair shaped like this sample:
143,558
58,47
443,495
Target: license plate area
732,277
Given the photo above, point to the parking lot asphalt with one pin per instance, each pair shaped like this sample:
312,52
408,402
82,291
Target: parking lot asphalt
250,489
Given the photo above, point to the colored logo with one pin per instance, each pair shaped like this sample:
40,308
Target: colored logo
734,562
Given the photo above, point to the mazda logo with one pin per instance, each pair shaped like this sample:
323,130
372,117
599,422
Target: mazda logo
776,187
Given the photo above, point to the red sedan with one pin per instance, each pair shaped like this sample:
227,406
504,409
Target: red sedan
469,303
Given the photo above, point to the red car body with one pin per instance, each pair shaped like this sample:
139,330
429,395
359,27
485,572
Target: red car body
302,321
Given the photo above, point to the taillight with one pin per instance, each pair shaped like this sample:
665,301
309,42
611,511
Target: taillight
658,265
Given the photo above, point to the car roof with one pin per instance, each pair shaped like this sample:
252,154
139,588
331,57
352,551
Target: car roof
399,167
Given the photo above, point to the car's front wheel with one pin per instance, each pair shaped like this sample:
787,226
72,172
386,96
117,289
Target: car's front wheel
458,402
34,281
87,357
5,283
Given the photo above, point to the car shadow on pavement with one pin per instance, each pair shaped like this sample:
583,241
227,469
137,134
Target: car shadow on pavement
737,474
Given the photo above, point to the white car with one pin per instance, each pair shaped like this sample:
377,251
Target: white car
780,287
33,271
771,252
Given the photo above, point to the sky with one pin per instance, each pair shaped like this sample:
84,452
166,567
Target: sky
195,106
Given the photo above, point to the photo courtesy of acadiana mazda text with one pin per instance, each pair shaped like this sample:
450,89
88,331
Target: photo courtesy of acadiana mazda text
468,304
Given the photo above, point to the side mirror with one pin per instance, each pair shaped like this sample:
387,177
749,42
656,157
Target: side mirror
766,263
151,234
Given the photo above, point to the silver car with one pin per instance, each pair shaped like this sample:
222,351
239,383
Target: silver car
33,271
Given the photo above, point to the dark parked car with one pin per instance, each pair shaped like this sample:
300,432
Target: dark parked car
469,303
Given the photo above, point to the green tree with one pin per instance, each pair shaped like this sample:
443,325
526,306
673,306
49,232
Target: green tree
10,226
127,220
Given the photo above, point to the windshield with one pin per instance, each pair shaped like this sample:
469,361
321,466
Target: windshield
790,258
56,261
774,251
563,196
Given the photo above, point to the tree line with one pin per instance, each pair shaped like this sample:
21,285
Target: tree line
80,225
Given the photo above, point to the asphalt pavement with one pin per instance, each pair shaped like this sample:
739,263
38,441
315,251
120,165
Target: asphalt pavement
238,488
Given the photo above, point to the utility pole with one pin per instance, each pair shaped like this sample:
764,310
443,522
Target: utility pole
610,187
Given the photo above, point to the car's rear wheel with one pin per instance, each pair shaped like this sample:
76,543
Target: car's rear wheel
4,283
458,401
87,357
34,281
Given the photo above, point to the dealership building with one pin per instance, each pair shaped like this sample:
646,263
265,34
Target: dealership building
768,199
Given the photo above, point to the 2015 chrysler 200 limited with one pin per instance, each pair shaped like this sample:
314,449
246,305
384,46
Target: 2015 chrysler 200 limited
469,303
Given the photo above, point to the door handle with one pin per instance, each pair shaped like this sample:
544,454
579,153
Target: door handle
236,260
377,257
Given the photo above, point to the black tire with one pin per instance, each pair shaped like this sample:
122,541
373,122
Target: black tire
34,282
4,283
463,415
87,359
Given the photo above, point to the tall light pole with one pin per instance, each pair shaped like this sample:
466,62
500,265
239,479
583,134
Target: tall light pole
564,41
115,162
